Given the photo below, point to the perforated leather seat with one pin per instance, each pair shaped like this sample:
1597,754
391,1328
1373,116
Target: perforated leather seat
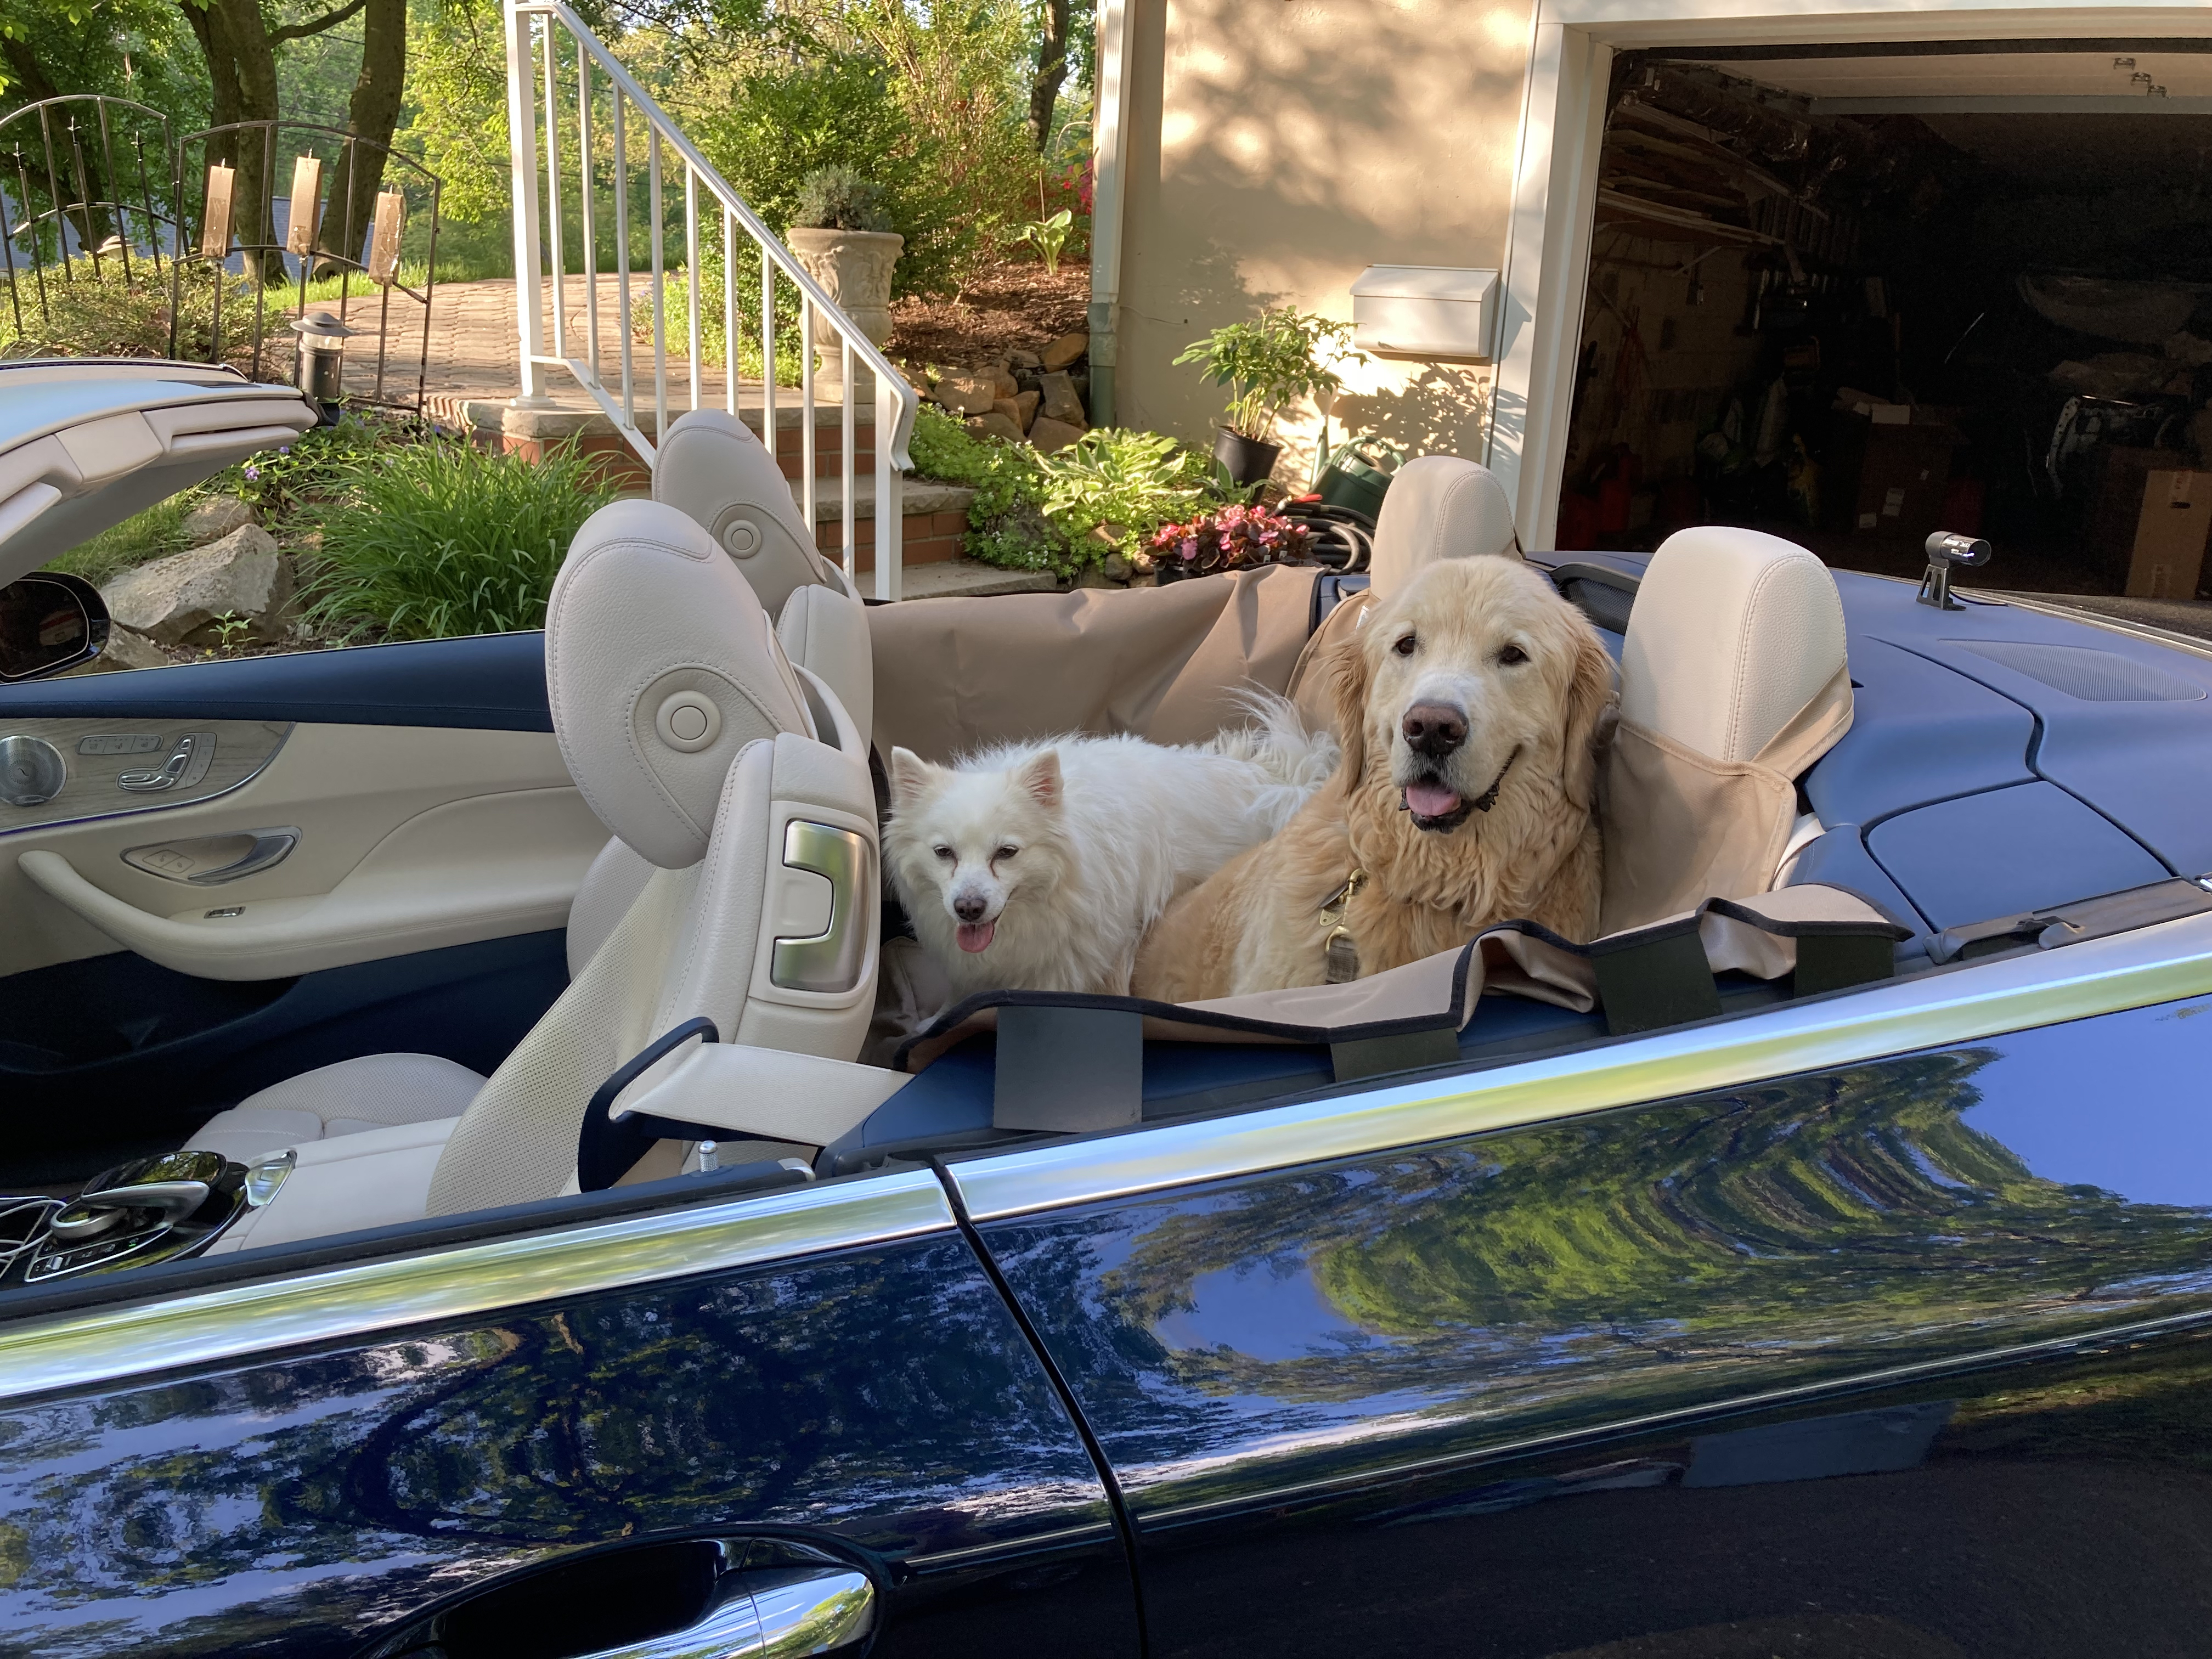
1733,682
701,747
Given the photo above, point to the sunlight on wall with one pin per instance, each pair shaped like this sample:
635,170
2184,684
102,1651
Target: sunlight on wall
1276,151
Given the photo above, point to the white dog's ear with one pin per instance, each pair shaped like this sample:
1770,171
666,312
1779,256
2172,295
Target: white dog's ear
1039,778
909,776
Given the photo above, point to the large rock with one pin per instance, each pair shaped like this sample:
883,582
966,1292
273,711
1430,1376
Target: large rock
1025,409
1048,434
211,520
177,599
1004,378
1059,402
124,649
1067,348
995,425
967,394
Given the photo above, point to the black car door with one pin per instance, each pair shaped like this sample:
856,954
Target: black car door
1888,1344
585,1429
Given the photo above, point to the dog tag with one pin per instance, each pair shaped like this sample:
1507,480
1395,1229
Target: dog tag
1342,956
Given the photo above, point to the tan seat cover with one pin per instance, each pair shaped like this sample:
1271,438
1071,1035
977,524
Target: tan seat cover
1164,663
1733,682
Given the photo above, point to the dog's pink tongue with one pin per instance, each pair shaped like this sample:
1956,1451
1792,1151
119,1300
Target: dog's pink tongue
1430,800
976,935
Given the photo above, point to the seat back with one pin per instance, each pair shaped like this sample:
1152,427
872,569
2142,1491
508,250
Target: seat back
1733,681
1440,507
744,783
713,470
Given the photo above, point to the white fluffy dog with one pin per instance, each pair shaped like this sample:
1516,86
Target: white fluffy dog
1039,866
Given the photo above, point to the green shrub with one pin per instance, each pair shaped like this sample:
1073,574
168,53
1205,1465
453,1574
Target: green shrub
1006,520
435,539
838,198
1132,482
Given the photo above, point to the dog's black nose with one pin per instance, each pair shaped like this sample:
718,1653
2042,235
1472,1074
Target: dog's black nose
968,908
1432,729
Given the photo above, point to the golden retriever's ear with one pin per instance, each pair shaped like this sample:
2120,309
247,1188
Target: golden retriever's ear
1348,677
1590,723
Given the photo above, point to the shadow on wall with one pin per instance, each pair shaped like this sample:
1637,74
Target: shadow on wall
1274,155
1439,411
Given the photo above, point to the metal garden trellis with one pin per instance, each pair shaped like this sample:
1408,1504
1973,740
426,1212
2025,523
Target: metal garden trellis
77,213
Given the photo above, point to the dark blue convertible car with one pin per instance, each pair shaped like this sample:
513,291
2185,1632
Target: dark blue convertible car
486,1180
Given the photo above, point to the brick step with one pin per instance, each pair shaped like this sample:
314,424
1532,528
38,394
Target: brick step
934,517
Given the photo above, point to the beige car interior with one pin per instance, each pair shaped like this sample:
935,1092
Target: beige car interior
704,750
703,820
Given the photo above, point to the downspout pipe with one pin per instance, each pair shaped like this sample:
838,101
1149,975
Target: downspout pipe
1108,171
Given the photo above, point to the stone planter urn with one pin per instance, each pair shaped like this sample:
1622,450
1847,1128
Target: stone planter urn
855,269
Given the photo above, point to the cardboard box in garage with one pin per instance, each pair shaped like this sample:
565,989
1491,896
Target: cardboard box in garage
1886,476
2152,518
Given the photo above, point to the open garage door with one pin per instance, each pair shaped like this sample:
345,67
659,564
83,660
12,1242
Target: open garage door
1855,295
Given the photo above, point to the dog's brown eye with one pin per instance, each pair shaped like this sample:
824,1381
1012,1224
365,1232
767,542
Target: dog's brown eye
1405,645
1511,654
947,854
1005,852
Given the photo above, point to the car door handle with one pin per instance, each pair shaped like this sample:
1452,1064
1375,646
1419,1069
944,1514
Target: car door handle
776,1613
739,1597
210,861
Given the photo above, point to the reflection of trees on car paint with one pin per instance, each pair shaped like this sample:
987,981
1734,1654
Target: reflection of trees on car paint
1555,1277
412,1466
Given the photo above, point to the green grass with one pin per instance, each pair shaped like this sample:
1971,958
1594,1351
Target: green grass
441,539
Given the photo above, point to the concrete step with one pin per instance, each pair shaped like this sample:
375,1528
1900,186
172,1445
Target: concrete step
971,579
918,497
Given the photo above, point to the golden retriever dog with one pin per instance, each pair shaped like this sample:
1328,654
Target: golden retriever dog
1470,707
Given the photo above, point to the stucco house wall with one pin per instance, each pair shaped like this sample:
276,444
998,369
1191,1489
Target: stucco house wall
1278,148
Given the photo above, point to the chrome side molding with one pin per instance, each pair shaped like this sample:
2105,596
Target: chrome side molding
2163,963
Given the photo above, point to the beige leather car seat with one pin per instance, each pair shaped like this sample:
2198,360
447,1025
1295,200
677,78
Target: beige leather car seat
1733,682
696,742
1438,507
713,469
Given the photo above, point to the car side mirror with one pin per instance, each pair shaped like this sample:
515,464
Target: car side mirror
49,621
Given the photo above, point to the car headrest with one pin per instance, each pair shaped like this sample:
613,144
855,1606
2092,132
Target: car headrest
660,665
1440,507
1736,649
711,468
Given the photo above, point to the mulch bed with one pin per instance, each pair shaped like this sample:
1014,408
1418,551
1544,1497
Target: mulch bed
1011,306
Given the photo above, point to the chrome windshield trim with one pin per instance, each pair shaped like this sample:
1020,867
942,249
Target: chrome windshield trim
105,1344
2055,606
2163,963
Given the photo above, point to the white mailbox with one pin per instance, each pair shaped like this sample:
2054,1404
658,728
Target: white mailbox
1424,311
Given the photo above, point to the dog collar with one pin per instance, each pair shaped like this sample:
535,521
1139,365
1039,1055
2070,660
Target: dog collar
1488,798
1339,950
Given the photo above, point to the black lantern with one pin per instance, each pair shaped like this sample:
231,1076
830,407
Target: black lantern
322,359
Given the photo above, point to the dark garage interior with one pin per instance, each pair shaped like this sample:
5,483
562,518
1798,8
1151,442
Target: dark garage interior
1973,292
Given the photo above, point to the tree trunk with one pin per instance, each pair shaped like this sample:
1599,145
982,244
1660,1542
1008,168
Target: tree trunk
1051,71
241,62
373,117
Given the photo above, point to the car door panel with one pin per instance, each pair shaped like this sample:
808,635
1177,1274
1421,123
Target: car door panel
302,1499
111,1057
409,838
428,845
1839,1348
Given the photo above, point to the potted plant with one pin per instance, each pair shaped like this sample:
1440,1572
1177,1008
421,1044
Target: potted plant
1267,364
843,237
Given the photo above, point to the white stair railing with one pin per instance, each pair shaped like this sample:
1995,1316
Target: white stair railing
598,114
